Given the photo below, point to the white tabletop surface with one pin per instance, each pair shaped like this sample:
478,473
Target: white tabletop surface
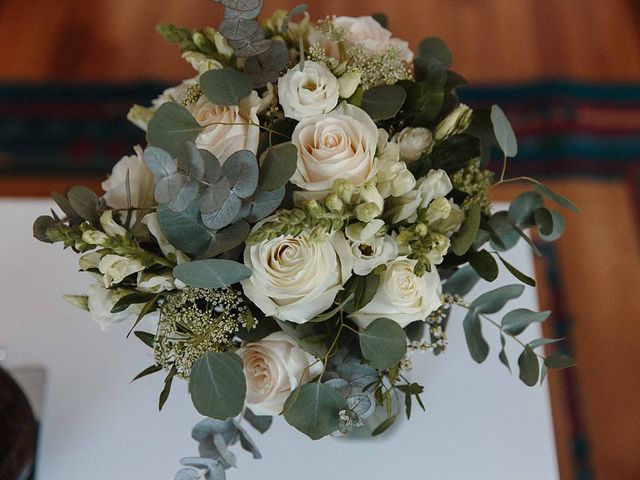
481,423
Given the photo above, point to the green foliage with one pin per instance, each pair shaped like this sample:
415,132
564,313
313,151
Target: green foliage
559,361
517,273
503,132
381,18
225,86
495,300
85,203
485,265
463,240
212,273
227,239
516,321
384,426
383,343
361,290
455,152
478,346
131,299
184,229
424,99
260,422
278,166
164,394
383,102
556,197
529,367
461,282
40,227
217,385
171,126
145,337
313,409
433,48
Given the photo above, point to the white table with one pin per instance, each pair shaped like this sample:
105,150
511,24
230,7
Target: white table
480,422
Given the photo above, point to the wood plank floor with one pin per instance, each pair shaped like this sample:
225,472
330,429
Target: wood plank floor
492,41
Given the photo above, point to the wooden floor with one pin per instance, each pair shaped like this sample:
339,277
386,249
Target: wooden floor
492,41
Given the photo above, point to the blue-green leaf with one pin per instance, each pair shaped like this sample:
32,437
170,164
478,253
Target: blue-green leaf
495,300
516,321
171,126
461,282
463,240
478,346
225,86
529,367
559,361
556,197
522,208
435,48
384,101
557,227
184,229
278,166
504,132
241,168
217,385
159,161
213,273
383,343
313,409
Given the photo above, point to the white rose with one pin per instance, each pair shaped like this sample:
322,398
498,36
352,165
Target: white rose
413,142
141,182
168,250
296,278
228,129
273,368
101,300
373,37
402,296
311,92
369,249
336,145
116,268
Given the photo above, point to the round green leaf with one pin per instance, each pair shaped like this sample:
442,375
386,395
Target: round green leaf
278,166
214,196
313,409
557,221
217,385
171,126
384,101
85,203
461,282
264,203
383,343
241,168
184,229
225,215
529,367
522,208
225,86
485,265
40,227
435,48
213,273
159,161
504,132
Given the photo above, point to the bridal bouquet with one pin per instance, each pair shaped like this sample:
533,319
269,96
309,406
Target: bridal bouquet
309,207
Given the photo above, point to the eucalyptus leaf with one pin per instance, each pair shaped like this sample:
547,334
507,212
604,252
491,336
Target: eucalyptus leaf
227,239
40,227
383,101
85,203
264,203
383,343
260,422
64,205
463,240
522,208
241,168
238,28
435,48
185,197
313,409
503,234
191,161
384,426
495,300
212,273
559,361
455,152
278,166
217,385
184,230
504,132
556,197
485,265
539,342
502,356
214,196
356,374
248,444
225,215
517,273
478,346
516,321
462,281
160,162
362,289
252,46
266,66
242,5
529,367
557,221
225,86
171,126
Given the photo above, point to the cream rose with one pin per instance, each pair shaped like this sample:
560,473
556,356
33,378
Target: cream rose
140,179
368,248
296,278
413,142
337,145
273,368
116,268
228,129
365,31
402,296
311,92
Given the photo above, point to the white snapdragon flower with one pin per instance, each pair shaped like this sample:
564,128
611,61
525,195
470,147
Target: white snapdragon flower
393,178
337,145
109,225
435,184
116,268
368,248
157,282
101,300
402,296
311,92
296,278
274,367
